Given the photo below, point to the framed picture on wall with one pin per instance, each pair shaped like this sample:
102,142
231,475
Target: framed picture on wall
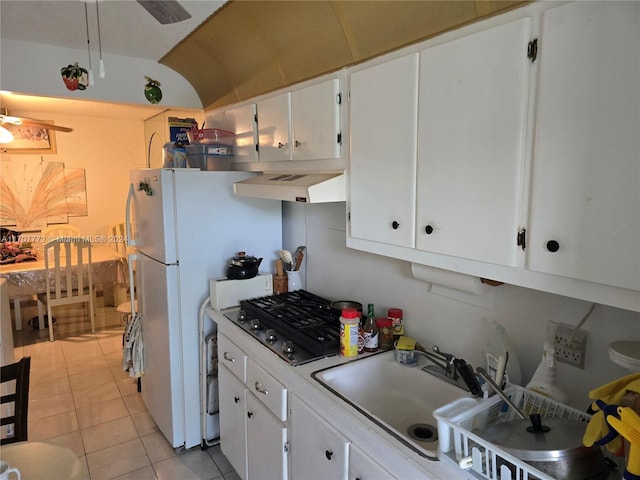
31,139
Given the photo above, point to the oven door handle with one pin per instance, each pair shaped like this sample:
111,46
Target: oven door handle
260,389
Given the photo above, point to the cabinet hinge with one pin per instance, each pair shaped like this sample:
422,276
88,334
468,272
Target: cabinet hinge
532,50
339,98
522,238
255,118
257,147
286,447
340,138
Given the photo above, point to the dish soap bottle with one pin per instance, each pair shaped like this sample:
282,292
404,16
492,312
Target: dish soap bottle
502,355
370,331
544,378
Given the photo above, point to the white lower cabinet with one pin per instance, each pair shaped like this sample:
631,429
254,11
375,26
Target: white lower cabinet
363,467
253,434
320,452
233,425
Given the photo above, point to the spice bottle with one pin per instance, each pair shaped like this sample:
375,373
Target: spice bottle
395,315
385,329
370,331
349,326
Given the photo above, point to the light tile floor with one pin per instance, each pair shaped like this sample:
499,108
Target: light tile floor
80,397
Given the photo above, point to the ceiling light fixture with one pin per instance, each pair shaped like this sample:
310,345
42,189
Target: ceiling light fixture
101,72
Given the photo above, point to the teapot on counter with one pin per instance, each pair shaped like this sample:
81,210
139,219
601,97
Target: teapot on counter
243,266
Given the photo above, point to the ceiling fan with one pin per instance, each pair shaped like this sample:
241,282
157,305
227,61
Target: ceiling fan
165,11
6,119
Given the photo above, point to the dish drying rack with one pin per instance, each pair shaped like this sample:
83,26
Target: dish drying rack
460,447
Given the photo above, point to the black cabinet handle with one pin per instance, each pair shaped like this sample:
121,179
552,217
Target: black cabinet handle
395,225
428,229
553,246
249,414
328,454
236,399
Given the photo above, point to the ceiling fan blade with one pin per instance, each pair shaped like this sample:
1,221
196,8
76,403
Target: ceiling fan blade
17,121
165,11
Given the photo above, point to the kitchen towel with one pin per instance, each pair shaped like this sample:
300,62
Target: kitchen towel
457,286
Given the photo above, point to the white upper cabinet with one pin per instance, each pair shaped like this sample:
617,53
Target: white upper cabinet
472,122
585,199
315,117
241,121
384,114
302,124
274,128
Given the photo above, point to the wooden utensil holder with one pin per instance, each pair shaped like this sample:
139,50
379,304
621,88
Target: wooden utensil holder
280,283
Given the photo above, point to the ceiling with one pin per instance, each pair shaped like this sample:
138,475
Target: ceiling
249,47
126,28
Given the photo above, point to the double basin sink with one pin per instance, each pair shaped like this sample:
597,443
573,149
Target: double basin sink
398,398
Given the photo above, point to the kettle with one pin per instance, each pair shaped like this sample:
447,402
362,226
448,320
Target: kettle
243,267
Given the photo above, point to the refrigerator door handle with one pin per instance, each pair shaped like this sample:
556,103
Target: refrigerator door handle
131,242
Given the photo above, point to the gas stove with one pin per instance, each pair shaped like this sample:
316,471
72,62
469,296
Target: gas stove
298,326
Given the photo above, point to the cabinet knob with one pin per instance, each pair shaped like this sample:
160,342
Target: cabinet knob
236,399
227,356
281,145
428,229
328,454
249,414
395,225
260,389
297,143
553,246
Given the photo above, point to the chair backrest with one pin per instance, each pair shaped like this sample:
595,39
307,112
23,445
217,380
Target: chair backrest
68,268
15,400
59,231
118,238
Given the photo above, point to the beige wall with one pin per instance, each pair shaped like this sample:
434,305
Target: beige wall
107,148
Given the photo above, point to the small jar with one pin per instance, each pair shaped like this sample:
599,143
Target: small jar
349,326
395,315
385,327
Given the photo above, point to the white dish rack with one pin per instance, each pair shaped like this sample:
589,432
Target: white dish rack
460,447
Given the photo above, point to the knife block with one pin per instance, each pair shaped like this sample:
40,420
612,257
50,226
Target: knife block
280,283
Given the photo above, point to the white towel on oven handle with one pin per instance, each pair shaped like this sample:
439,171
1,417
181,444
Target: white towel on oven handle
132,360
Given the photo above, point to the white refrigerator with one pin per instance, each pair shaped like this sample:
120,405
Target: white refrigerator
186,225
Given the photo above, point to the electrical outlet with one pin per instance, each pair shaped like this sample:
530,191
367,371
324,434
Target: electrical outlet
566,349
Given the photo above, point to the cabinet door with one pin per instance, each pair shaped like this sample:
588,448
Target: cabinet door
266,443
383,109
362,467
318,451
242,121
584,220
315,119
274,128
471,143
233,440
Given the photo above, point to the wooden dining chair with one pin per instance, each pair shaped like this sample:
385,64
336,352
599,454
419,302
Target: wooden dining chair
15,390
59,231
68,277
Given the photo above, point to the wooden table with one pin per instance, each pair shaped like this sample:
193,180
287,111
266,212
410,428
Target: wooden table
37,460
27,279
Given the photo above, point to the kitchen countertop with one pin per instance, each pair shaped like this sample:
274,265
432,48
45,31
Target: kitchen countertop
392,454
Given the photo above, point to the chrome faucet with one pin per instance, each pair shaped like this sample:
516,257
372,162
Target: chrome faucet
451,369
441,359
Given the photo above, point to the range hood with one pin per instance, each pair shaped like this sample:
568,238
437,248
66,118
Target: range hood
295,187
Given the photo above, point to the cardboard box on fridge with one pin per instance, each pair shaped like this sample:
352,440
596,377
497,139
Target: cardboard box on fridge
178,129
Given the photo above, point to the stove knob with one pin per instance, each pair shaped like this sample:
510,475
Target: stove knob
255,324
270,335
242,316
288,347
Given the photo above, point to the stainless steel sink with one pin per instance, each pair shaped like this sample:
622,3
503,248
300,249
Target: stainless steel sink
399,398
